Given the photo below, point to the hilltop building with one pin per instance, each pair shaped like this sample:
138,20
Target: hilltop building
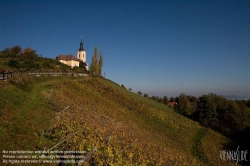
69,60
72,61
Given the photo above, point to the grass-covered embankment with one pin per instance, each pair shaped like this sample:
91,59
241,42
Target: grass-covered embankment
125,127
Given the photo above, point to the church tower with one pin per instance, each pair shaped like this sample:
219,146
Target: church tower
81,53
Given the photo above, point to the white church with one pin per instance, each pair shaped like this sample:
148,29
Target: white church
71,61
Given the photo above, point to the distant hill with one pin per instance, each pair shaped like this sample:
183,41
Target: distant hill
84,113
235,97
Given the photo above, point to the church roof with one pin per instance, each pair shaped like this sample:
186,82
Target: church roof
66,57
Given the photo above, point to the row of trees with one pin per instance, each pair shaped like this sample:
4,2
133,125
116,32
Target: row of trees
19,53
16,57
163,100
96,63
230,118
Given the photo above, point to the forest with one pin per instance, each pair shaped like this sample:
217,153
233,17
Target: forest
231,118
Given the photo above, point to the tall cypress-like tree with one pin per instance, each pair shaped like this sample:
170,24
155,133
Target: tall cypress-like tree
94,61
97,63
100,64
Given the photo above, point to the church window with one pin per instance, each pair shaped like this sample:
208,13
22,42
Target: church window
79,55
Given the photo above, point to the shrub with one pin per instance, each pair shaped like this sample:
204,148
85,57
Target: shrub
123,86
14,63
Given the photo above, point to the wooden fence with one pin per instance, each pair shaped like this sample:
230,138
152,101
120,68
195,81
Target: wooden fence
5,74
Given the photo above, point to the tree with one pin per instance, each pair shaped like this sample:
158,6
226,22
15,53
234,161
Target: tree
100,64
83,65
192,98
206,109
6,53
159,99
130,89
165,100
123,86
139,92
16,50
171,99
30,54
176,99
145,95
184,105
96,63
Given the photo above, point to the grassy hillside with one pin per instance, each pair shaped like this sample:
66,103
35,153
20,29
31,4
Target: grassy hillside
87,112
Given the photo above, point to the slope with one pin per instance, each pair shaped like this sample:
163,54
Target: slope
86,112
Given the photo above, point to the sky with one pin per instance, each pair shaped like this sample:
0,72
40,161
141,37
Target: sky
157,47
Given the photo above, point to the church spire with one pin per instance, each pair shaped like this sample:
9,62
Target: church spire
81,45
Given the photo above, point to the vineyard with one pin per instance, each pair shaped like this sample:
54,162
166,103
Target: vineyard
112,125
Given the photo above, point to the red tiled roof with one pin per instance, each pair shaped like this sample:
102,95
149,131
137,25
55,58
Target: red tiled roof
66,57
171,103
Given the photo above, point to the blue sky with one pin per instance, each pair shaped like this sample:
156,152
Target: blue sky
157,47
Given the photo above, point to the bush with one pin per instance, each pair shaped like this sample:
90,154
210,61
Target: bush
30,64
14,63
123,86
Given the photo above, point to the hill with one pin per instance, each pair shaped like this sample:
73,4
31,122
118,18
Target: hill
235,97
15,58
92,113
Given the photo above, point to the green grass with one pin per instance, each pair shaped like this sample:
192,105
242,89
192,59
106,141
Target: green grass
196,147
25,112
138,97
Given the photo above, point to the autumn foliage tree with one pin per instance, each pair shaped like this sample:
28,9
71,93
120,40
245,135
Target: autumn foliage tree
16,50
12,52
30,54
183,105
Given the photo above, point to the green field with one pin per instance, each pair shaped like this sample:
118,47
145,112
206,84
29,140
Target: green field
87,112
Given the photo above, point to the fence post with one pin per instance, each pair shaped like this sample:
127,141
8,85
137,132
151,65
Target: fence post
3,75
